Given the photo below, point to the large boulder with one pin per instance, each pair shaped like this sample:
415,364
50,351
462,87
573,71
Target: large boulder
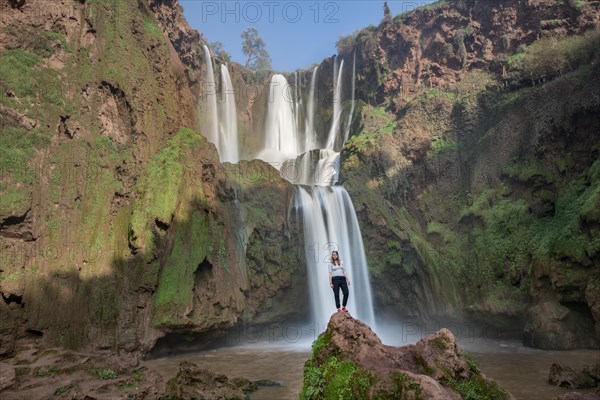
349,361
568,377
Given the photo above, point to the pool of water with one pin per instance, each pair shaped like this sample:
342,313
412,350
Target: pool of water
522,371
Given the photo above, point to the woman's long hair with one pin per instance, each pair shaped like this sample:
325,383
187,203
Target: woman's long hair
335,261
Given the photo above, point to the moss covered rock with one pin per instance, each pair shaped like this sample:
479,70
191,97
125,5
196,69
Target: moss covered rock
350,362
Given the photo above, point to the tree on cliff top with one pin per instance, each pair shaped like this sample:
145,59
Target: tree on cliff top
219,51
387,14
254,47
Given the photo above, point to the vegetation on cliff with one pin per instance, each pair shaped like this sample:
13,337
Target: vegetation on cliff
496,171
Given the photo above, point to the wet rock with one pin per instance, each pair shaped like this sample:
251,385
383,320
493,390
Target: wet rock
568,377
552,326
193,382
578,396
348,357
8,376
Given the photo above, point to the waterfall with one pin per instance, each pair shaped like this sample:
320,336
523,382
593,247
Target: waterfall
228,135
349,123
330,223
337,107
221,116
311,161
210,94
311,138
281,133
326,211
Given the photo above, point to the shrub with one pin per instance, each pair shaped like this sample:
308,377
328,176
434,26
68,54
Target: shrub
346,43
553,56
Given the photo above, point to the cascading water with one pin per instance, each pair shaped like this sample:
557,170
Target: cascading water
330,223
220,122
281,133
310,111
228,135
210,95
326,211
309,160
337,106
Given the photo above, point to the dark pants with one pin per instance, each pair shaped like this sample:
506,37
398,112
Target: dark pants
340,282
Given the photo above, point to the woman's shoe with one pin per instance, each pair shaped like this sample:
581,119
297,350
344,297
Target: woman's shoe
339,310
344,309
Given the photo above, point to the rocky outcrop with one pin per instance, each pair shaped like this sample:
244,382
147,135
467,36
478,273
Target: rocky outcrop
349,360
435,45
184,41
571,378
193,382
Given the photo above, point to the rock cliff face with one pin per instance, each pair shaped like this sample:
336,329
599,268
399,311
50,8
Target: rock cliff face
438,43
477,141
118,224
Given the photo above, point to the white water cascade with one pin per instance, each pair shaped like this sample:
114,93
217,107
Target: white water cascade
311,136
210,95
330,223
220,124
228,135
337,107
326,211
308,156
281,127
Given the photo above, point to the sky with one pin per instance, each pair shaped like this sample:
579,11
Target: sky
297,34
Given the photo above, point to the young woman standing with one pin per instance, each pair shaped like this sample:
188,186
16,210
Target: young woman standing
338,279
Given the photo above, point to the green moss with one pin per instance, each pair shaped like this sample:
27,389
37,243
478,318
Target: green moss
160,188
335,379
17,148
152,28
403,387
331,377
175,286
440,145
528,170
590,210
377,122
57,37
17,72
320,344
476,388
393,254
13,199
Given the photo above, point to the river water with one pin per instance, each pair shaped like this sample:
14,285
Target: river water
522,371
